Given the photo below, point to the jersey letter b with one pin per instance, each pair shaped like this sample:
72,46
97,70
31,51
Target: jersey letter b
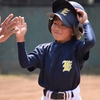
67,65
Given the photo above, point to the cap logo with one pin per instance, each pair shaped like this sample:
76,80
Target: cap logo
65,11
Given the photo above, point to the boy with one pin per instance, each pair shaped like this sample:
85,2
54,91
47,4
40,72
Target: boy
7,28
60,61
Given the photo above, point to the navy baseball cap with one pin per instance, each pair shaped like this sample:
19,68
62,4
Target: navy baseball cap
58,4
66,15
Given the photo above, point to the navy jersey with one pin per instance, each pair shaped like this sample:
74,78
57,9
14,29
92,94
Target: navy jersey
59,63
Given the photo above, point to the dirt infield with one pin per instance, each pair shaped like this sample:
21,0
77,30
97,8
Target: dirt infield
25,87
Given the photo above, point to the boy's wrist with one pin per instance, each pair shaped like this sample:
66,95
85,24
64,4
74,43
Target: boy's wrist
20,39
87,21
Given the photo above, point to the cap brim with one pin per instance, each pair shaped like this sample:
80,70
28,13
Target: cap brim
66,22
51,15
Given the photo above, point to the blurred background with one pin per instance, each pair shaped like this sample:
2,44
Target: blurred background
34,12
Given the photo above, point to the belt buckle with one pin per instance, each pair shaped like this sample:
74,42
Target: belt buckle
64,95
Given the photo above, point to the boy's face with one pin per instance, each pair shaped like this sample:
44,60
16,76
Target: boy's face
60,32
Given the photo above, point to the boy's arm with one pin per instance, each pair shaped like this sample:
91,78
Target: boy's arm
89,36
24,59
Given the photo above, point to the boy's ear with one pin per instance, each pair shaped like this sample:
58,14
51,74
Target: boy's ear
78,30
73,34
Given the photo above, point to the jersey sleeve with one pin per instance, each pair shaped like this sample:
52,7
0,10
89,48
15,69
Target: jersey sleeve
89,38
83,47
30,61
88,43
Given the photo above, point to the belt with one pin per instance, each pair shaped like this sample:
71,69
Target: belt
58,95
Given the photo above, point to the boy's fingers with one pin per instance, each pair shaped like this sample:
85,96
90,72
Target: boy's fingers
79,11
22,21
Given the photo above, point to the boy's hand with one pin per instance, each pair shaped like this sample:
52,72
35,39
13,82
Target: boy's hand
81,16
21,29
7,28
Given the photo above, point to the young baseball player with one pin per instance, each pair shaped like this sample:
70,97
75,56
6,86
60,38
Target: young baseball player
7,27
60,61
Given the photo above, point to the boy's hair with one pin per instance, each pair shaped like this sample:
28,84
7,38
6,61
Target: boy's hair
61,4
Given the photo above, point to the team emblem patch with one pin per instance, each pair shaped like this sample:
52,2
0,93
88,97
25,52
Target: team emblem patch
67,65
